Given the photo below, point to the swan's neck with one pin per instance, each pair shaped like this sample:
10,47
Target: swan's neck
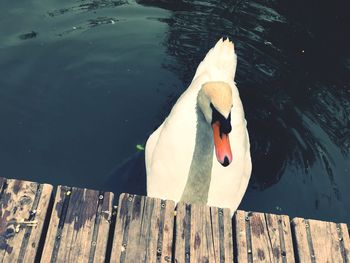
198,182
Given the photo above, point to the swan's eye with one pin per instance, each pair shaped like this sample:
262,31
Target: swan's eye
225,124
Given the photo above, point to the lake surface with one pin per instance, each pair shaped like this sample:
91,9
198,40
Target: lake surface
83,82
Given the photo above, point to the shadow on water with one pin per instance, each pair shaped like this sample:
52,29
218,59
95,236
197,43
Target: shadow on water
129,176
293,76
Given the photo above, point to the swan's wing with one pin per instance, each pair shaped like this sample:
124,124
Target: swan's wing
150,145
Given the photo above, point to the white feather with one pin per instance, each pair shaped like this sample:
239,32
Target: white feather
169,150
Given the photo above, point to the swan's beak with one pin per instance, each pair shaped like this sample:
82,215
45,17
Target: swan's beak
222,145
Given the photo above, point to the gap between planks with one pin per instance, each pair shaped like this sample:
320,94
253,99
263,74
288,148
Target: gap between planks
257,236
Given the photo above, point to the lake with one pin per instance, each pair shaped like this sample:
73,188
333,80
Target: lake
83,84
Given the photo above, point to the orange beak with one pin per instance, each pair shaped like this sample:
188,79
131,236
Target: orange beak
222,145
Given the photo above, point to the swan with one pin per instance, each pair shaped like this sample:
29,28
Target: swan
201,152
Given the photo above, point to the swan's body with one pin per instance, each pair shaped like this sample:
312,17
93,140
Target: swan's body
181,163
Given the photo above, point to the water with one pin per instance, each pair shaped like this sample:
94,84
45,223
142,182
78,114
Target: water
83,82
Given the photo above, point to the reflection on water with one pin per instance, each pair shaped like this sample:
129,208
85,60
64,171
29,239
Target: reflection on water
293,77
84,5
28,35
295,89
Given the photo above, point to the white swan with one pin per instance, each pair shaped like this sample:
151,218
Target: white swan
207,118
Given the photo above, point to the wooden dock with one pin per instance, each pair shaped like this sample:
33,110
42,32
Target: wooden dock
81,225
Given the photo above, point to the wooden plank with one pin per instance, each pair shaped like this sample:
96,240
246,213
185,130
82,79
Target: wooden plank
243,246
23,209
319,241
144,230
263,237
182,233
203,234
228,234
79,226
344,233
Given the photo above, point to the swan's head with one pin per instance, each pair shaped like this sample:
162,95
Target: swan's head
215,102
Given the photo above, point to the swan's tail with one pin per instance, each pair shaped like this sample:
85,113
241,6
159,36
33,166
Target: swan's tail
221,57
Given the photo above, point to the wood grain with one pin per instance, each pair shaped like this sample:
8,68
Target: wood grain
23,209
79,226
263,237
319,241
203,234
144,230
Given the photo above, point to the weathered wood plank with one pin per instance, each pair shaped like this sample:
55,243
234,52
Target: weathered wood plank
144,230
23,209
263,237
243,244
319,241
79,226
203,234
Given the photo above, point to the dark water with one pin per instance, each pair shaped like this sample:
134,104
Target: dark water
83,82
